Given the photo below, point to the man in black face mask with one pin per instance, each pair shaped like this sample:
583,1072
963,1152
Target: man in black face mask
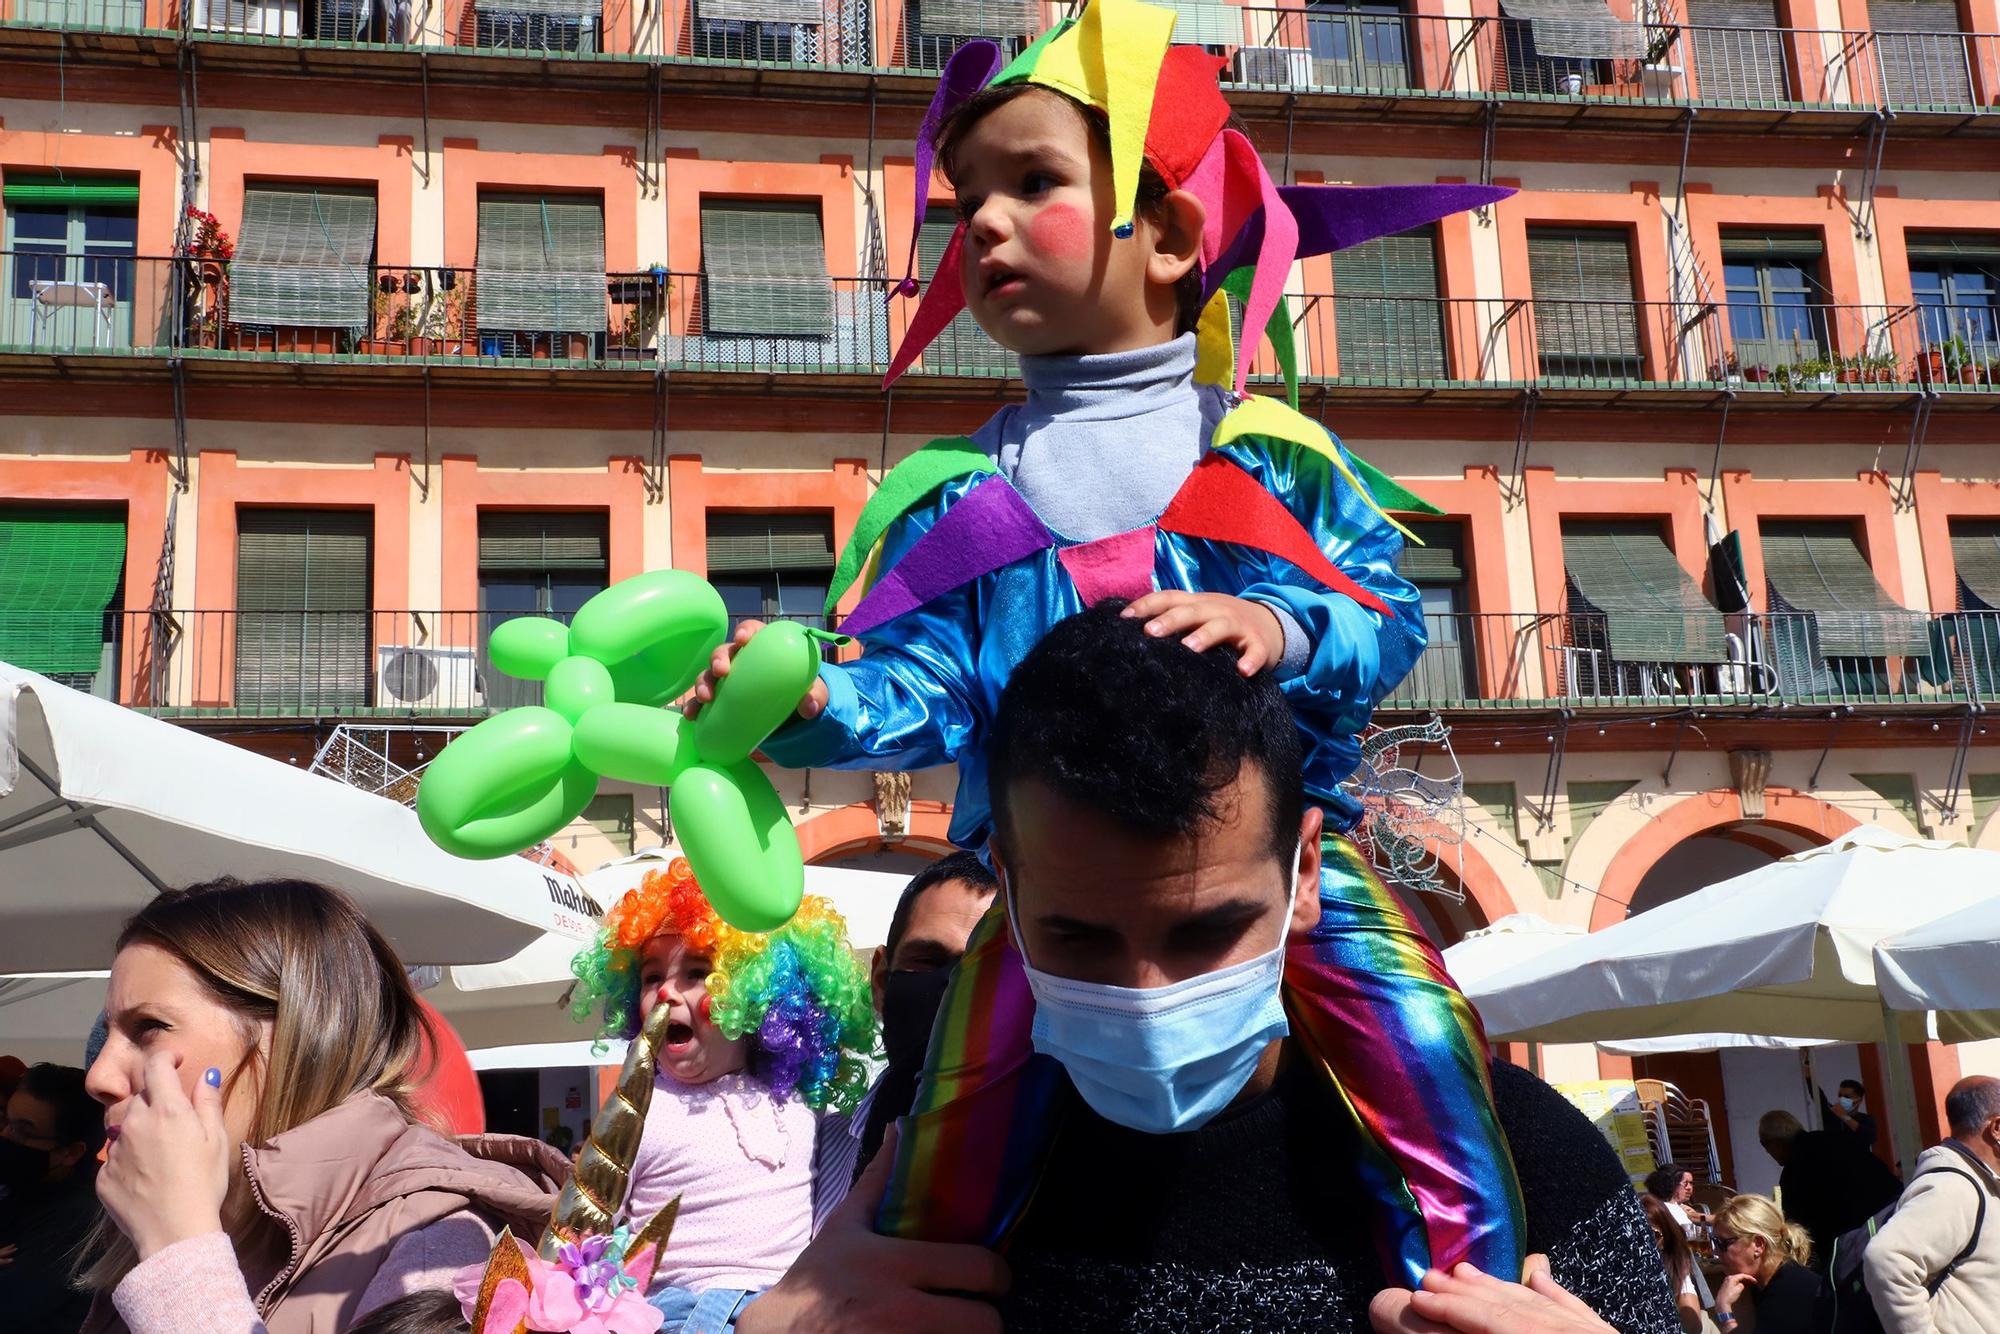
48,1151
933,920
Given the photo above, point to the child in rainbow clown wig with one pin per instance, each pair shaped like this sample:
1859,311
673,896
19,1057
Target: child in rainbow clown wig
1105,205
767,1030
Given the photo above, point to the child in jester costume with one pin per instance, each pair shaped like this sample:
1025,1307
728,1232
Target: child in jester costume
1107,210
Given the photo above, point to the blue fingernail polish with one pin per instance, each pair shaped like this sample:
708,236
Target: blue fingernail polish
212,1077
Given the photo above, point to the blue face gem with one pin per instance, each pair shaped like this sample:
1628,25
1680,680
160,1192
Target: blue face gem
1123,231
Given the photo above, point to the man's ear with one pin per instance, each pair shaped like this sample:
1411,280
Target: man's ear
878,974
1305,897
1179,219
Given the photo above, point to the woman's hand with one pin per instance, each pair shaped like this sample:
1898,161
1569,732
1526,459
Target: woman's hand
1731,1292
1465,1301
168,1169
811,706
1203,620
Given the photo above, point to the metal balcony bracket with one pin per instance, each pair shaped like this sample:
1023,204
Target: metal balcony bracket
1488,132
656,465
424,78
1961,753
177,463
649,154
1832,735
1680,181
1674,751
1524,436
1291,116
423,478
1721,434
1544,811
1863,209
1904,493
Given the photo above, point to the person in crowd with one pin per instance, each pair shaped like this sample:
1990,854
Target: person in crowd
1192,1166
48,1166
1848,1110
1679,1259
1673,1186
1765,1257
265,1171
1934,1268
764,1031
928,932
1828,1181
11,1070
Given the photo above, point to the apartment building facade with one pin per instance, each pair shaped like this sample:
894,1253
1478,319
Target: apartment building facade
334,332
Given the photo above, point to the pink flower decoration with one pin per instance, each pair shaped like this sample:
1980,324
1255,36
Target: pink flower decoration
553,1304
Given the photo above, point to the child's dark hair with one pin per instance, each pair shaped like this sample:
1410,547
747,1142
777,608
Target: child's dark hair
435,1311
1152,189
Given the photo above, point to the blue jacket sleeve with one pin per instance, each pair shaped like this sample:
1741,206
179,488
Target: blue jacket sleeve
913,698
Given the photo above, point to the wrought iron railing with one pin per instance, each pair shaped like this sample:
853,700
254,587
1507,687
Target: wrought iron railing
374,663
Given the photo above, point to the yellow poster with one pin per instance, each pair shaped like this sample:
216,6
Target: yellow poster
1613,1107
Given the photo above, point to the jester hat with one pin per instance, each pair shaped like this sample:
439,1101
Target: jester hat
1164,106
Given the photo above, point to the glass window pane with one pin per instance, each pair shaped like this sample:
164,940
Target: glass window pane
510,597
1746,317
40,222
567,596
741,597
797,597
35,267
111,227
1926,280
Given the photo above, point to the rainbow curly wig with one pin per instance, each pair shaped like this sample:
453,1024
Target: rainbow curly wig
798,992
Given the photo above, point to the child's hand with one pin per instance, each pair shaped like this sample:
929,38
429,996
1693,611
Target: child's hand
1204,620
718,667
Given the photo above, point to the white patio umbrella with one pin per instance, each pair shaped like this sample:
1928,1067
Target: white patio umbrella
1519,937
101,807
519,1001
1947,966
1785,950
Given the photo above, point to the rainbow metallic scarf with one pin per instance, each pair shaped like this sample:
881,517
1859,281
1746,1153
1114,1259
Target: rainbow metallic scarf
1363,987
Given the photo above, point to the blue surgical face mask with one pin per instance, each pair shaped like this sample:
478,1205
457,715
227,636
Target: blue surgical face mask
1162,1059
1846,1103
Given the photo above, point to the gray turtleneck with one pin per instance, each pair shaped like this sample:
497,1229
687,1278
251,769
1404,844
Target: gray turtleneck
1103,442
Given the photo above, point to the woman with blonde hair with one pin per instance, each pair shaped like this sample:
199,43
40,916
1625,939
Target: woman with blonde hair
266,1171
1763,1252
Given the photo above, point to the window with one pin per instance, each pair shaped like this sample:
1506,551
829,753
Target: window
1777,304
1739,51
1586,322
535,564
1925,58
1387,319
768,31
963,347
1832,628
1564,46
303,583
764,270
99,15
1358,45
772,565
1210,23
540,26
304,259
540,288
1437,568
1973,636
936,28
1956,280
61,584
1636,620
71,279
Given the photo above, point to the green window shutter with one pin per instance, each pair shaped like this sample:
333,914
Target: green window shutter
1582,286
31,188
523,541
760,543
1975,554
1977,246
1818,567
1754,246
1387,321
302,598
541,264
1653,611
1739,53
1206,22
304,257
98,15
979,18
1922,52
611,816
1441,558
764,267
963,346
59,572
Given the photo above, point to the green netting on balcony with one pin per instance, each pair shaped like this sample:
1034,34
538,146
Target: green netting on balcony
765,269
1653,611
541,264
1975,553
304,258
59,570
1819,568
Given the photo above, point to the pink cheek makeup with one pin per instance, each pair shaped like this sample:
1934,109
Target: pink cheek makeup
1060,231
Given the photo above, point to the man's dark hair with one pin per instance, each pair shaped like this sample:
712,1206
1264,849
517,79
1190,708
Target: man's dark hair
434,1311
1972,1102
79,1117
1143,731
1854,1084
964,866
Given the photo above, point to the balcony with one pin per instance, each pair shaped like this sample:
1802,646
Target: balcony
74,308
1501,661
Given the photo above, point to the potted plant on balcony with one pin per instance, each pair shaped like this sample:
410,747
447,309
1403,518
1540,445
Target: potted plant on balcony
1757,373
441,326
388,331
1880,369
1849,370
1727,370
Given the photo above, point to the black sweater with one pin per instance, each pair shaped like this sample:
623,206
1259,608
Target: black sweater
1256,1221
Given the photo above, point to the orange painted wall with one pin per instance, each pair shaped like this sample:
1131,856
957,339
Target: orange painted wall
1711,214
148,154
1675,498
1636,213
1866,499
139,483
1938,503
852,831
693,491
234,159
619,492
830,180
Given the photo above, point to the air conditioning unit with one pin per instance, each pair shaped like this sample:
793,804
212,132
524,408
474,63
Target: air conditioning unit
1283,66
409,677
250,18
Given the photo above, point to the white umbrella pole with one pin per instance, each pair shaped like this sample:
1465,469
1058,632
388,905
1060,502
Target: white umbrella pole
1903,1133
